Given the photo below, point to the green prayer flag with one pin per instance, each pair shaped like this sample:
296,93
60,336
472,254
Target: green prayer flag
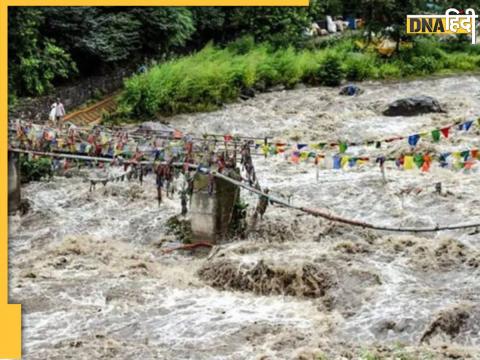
436,135
418,159
465,154
343,147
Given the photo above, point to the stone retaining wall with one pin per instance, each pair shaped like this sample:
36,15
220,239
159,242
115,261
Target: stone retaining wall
72,96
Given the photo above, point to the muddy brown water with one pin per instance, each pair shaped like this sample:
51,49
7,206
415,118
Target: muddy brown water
94,283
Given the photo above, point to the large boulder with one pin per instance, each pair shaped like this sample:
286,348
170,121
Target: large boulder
414,105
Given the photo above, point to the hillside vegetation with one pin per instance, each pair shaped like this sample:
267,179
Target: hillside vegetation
218,75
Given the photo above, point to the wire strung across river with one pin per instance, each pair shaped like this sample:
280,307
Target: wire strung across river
336,218
311,211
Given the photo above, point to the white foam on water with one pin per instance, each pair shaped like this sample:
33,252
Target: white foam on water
88,265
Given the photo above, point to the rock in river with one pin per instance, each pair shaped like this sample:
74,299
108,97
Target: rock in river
413,106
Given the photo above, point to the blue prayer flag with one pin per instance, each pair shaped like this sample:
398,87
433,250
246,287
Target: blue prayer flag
413,139
337,162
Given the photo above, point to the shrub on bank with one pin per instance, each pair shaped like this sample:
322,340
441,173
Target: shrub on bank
214,76
35,169
359,66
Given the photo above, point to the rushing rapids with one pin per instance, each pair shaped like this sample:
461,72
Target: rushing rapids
89,268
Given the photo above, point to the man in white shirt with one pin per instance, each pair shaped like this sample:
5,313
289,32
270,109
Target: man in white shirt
59,112
53,113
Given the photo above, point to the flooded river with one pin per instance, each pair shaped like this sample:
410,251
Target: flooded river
89,268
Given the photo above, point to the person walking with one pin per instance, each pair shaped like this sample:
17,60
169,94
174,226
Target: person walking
53,113
59,112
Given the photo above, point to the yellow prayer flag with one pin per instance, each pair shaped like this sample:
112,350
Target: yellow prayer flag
265,149
408,163
344,161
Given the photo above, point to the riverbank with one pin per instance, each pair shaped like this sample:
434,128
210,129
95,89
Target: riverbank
215,76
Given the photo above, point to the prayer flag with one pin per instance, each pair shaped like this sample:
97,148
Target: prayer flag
177,134
337,162
418,160
467,125
413,140
343,147
469,164
427,160
227,138
280,148
436,135
295,157
265,149
301,146
408,162
443,159
344,161
445,131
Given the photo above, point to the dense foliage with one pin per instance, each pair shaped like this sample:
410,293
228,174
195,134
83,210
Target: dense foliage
34,60
49,45
35,169
215,76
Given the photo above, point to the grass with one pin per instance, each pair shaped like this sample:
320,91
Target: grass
214,76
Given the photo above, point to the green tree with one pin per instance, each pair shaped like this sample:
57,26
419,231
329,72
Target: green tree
389,16
115,35
282,26
34,61
163,28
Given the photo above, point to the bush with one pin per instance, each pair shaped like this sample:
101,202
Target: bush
360,67
242,45
389,70
35,169
330,72
425,65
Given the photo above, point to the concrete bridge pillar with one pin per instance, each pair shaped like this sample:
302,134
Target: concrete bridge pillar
14,196
211,214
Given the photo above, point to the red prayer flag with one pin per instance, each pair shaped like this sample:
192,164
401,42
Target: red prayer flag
295,158
228,138
445,131
469,164
474,153
177,134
